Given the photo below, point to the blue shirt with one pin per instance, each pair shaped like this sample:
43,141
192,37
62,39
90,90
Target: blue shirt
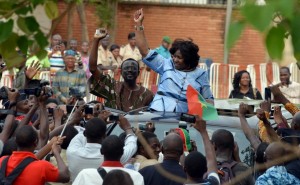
171,94
163,52
277,175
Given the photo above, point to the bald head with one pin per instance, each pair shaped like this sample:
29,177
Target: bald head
172,146
274,151
296,121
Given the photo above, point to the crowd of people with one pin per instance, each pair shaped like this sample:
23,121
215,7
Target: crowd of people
42,142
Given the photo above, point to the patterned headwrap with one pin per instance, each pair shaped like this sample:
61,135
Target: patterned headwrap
185,136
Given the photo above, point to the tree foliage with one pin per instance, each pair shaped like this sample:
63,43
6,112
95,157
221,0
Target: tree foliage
277,20
20,29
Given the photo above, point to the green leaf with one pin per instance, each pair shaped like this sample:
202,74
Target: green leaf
6,30
286,8
295,29
41,54
24,10
234,33
32,24
51,9
14,60
259,17
22,25
8,51
41,39
275,42
9,45
23,44
37,2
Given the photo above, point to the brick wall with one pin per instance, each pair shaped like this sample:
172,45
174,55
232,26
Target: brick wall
205,25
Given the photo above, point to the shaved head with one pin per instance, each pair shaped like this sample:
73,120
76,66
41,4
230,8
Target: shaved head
172,145
274,151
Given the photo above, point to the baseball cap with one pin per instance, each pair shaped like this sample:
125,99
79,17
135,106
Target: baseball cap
70,53
167,39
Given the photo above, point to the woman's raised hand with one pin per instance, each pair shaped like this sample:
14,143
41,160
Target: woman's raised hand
139,17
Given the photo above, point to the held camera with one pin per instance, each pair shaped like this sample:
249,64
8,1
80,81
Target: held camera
36,91
87,109
113,117
3,93
187,118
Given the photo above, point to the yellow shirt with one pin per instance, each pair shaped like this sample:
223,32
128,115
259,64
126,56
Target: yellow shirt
127,52
105,57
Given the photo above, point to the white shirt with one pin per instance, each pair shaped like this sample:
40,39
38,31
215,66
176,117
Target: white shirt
292,92
82,155
92,177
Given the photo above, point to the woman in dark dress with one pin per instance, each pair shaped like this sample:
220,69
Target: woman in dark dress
242,87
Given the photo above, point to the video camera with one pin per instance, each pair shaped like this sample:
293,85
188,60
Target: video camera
36,91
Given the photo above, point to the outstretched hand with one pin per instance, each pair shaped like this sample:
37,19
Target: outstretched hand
243,109
32,69
100,33
139,17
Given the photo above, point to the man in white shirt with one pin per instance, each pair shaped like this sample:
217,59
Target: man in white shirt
83,151
112,149
289,88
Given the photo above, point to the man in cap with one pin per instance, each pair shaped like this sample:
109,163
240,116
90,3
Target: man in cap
68,77
163,50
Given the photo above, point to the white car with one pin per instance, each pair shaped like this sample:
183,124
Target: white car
228,119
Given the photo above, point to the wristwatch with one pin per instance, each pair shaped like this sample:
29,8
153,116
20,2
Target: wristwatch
139,28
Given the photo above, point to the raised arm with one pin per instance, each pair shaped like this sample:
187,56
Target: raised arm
278,96
44,125
141,41
100,34
130,147
210,155
270,131
64,175
10,118
250,135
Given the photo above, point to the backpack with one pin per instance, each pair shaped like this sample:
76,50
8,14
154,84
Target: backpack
225,171
8,180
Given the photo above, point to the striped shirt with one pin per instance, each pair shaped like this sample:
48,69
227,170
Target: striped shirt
56,61
63,80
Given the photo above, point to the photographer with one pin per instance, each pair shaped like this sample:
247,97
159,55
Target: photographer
83,151
7,130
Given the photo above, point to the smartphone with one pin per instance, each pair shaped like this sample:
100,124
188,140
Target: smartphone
50,110
187,118
113,117
272,112
88,110
70,108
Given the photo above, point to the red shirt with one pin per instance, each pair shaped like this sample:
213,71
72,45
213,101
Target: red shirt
36,173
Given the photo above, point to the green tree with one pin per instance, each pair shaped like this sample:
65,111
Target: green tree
18,14
276,20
